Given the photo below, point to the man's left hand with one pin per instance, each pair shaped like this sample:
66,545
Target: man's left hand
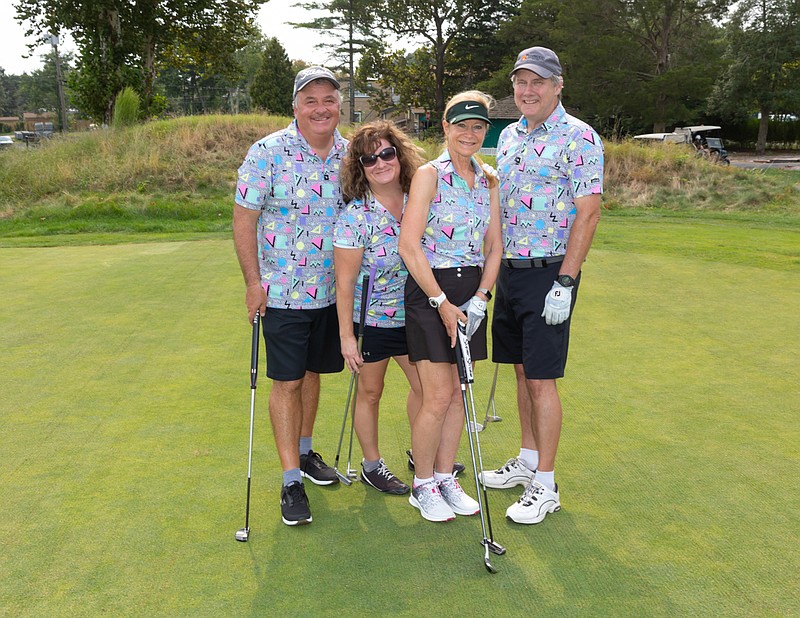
557,304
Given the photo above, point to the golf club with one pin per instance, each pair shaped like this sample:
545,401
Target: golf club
492,418
466,378
243,534
366,283
346,478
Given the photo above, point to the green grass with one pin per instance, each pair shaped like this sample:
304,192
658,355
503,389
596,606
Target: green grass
125,411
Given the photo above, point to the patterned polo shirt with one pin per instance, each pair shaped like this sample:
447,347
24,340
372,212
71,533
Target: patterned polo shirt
368,225
541,174
458,217
299,198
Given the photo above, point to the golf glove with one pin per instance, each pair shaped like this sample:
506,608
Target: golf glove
557,304
475,310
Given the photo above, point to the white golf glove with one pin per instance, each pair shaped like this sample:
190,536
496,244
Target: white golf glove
490,171
557,304
475,309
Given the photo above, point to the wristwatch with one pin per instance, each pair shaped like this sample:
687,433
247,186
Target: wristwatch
566,281
436,301
486,293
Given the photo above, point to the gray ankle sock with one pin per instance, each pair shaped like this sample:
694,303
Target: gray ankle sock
305,445
370,466
292,476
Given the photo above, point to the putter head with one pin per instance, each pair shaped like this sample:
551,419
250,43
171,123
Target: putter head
352,474
475,427
241,535
492,418
495,548
486,562
343,478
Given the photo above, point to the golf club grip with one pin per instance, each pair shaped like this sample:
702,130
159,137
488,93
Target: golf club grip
362,316
254,351
463,352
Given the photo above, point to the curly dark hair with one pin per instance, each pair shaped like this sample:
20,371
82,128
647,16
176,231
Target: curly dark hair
364,142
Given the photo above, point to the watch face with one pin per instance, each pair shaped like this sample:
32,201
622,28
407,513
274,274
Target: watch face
566,281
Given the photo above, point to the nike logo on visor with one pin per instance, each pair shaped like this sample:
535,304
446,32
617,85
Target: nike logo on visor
471,106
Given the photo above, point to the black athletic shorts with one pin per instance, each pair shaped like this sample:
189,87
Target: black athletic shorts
426,334
300,340
519,332
382,343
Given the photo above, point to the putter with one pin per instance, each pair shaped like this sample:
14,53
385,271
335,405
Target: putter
352,390
365,300
492,418
466,378
244,533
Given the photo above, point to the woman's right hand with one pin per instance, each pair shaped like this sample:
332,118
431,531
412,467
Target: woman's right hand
352,359
451,316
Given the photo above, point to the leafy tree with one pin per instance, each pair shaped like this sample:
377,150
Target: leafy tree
439,24
764,70
349,27
407,76
272,86
39,89
126,43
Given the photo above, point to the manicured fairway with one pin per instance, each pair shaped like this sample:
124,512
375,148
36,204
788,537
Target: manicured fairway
124,410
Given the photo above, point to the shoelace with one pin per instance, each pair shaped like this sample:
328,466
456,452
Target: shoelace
383,471
511,463
528,497
294,492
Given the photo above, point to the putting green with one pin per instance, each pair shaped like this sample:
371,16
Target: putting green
125,411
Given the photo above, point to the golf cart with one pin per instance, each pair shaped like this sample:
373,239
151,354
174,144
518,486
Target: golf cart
697,136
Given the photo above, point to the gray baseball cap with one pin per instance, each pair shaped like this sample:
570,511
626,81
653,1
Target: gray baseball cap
306,76
540,60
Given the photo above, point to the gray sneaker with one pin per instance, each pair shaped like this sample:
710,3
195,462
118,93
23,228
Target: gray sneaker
459,501
428,499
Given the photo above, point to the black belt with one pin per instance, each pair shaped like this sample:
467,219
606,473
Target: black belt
532,262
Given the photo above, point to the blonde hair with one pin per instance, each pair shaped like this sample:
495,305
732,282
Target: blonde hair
487,101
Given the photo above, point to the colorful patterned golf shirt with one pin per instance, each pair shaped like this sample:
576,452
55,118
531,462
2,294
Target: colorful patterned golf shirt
368,225
458,218
299,197
541,174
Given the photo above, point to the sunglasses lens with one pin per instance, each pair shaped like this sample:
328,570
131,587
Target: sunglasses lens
387,154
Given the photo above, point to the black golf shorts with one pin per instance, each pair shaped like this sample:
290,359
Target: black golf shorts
426,334
382,343
519,333
300,340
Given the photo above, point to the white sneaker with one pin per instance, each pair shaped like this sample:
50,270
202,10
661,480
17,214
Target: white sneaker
534,504
512,473
460,502
428,499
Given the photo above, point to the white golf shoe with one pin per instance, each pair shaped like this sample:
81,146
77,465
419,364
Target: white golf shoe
455,497
512,473
534,504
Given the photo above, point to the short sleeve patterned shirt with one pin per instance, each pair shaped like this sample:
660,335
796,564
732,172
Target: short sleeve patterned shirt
369,226
541,174
299,198
458,217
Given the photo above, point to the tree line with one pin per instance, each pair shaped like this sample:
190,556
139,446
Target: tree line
630,65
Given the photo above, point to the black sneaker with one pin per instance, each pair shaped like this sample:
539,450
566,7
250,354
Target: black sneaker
457,467
383,480
317,471
294,505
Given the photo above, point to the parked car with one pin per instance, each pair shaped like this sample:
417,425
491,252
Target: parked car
6,141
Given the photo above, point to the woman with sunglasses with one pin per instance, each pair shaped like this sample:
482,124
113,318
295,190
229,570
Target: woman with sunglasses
451,245
376,175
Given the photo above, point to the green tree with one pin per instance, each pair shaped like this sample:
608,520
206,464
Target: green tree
123,43
272,86
764,72
439,24
349,27
39,89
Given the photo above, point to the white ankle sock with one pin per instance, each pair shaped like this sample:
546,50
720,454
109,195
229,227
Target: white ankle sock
530,458
440,476
418,481
547,479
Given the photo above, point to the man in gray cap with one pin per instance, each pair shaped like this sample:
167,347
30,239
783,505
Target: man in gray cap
551,180
287,202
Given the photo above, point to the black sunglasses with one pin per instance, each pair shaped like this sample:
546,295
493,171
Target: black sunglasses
387,154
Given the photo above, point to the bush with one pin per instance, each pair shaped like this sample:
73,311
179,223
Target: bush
126,108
